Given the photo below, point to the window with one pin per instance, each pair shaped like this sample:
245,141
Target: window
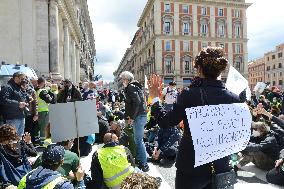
168,62
221,29
221,12
186,46
237,30
167,7
187,64
274,66
203,11
185,9
267,58
238,63
268,75
238,48
185,28
274,75
204,44
273,57
237,13
280,73
280,65
279,55
204,28
168,46
268,68
167,27
280,82
273,83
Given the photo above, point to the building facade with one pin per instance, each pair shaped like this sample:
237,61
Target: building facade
256,70
171,33
274,63
54,37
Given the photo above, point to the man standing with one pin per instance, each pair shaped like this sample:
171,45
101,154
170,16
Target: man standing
135,112
69,93
170,95
14,102
44,98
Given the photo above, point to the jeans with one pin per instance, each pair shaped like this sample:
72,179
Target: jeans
19,124
138,128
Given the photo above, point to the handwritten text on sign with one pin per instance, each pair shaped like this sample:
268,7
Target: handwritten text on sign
218,130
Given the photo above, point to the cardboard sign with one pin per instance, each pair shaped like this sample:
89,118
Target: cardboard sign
236,83
259,87
68,118
218,130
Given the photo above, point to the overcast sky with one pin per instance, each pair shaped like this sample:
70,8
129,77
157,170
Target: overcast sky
115,22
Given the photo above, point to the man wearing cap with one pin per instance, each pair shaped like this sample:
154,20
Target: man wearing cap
69,93
170,95
46,176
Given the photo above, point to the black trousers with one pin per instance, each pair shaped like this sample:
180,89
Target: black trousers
276,176
31,127
192,181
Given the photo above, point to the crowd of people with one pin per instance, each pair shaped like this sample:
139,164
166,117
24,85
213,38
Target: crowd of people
136,126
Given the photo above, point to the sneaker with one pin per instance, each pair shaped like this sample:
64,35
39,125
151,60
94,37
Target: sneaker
144,168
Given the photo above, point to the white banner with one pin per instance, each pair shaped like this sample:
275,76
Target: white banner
68,118
218,130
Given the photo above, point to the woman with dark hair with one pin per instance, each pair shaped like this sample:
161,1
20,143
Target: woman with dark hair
14,151
205,89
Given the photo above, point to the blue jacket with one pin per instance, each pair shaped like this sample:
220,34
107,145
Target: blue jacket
40,177
217,94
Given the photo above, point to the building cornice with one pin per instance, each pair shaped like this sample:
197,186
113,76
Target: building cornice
233,4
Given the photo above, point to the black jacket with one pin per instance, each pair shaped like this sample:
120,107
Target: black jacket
134,100
267,144
10,96
217,94
74,93
96,169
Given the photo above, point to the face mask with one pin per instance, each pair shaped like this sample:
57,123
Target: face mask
124,84
267,128
255,133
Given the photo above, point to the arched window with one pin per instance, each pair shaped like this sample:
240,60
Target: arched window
168,24
204,27
187,63
186,21
238,29
221,28
169,64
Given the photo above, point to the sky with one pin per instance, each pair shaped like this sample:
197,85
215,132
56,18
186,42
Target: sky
115,23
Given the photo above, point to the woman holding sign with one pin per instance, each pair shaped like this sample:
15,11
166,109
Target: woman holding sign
205,89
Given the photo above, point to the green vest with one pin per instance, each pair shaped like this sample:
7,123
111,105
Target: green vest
115,165
42,105
51,185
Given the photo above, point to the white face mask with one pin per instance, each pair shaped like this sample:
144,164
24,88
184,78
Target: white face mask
255,133
124,84
267,128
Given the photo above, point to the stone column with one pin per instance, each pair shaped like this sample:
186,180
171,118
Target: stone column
73,61
53,40
66,50
77,65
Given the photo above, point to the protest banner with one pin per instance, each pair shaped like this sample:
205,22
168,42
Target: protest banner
259,87
72,120
236,83
218,130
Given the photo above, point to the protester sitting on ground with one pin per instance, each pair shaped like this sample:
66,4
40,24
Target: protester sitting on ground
278,120
70,164
14,155
69,93
47,176
111,164
85,145
12,144
140,181
276,175
119,114
167,148
103,128
262,149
